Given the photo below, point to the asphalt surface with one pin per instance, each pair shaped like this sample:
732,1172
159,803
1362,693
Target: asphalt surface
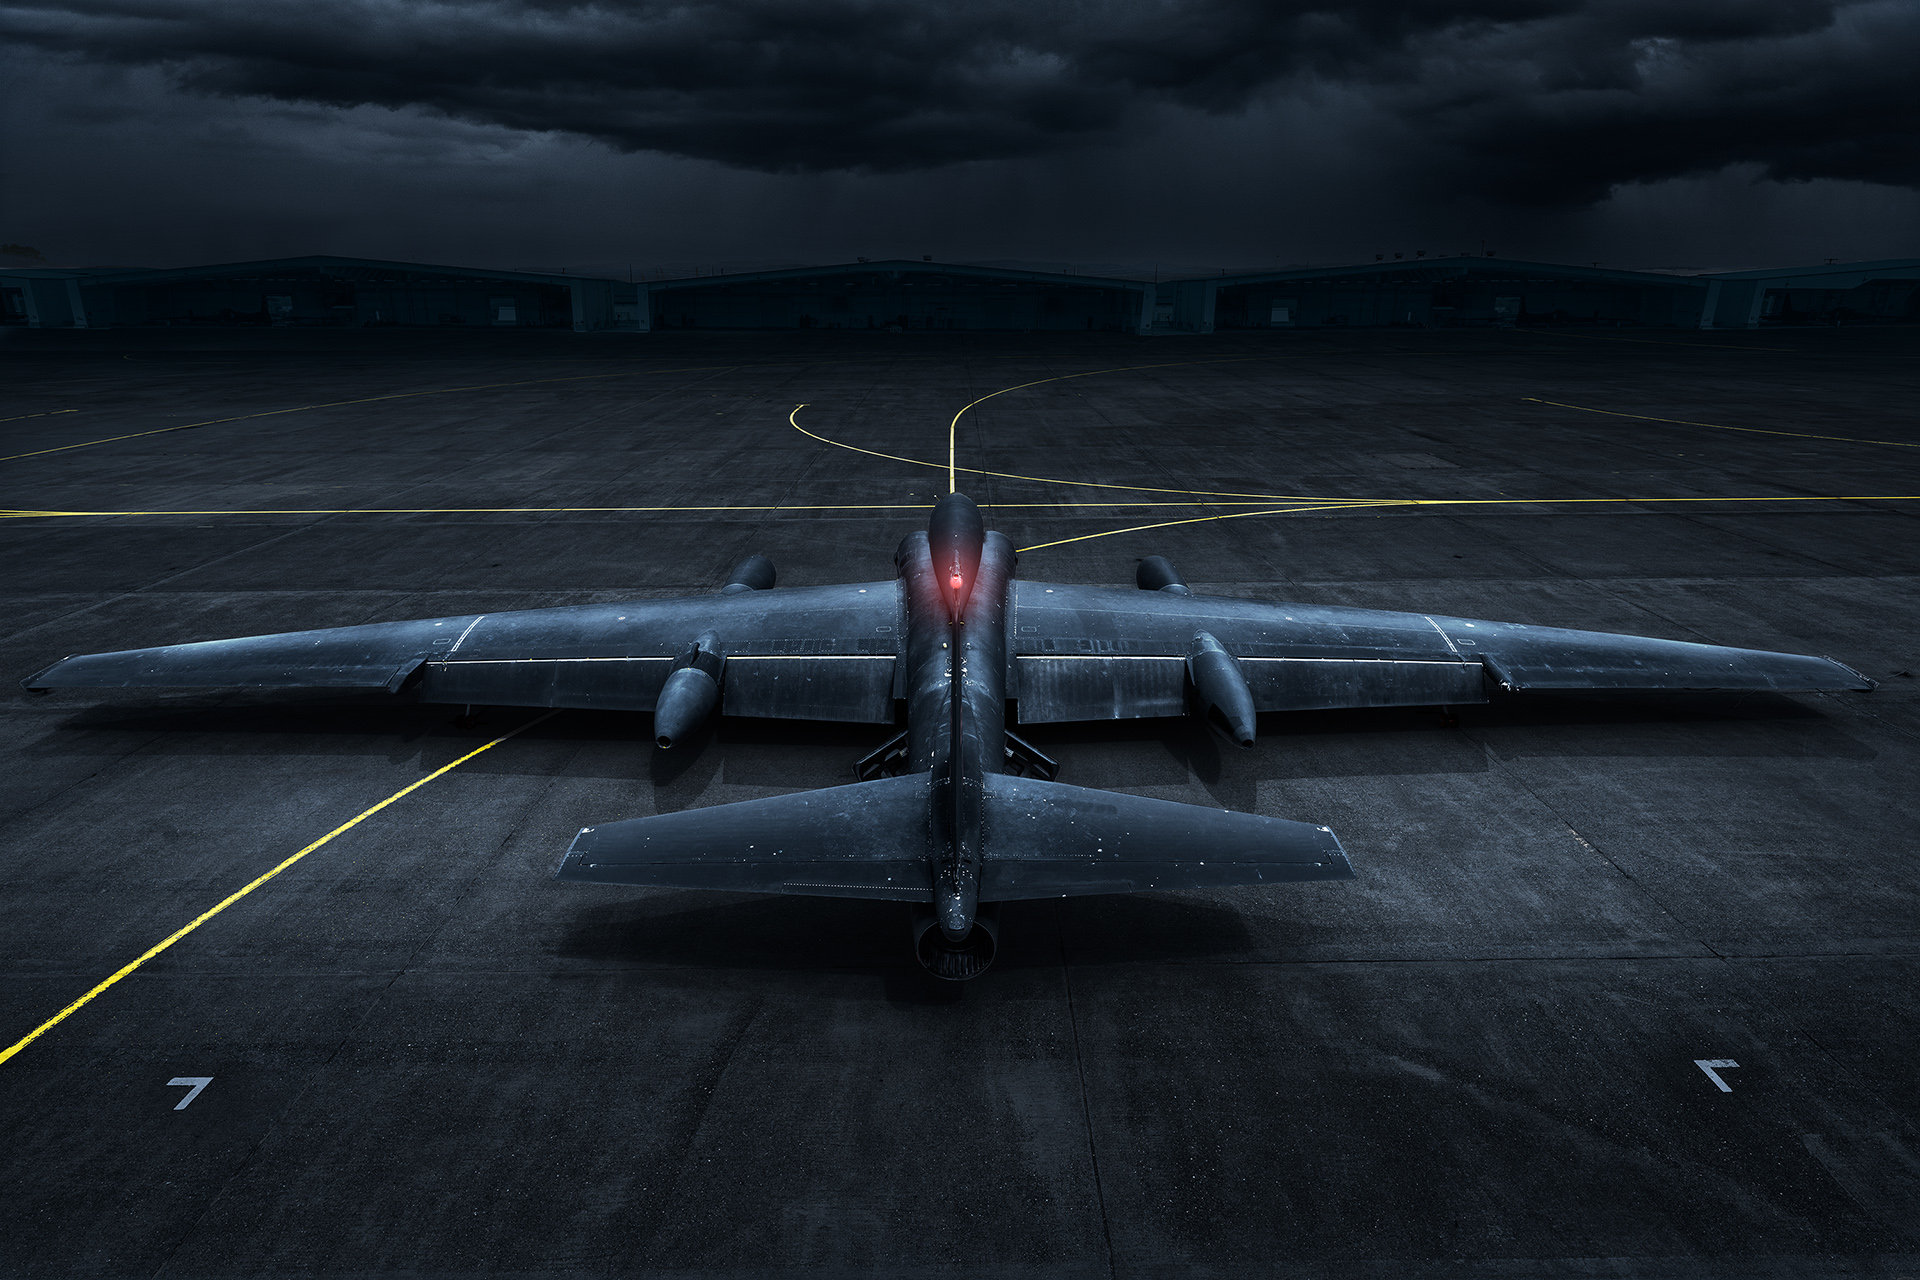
429,1059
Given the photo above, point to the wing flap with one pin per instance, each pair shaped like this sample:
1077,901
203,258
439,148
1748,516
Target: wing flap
1318,684
1050,840
864,840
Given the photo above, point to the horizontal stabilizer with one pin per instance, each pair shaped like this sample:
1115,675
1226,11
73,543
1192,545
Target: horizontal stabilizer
866,840
1049,840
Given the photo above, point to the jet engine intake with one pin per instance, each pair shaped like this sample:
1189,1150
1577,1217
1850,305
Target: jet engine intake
956,961
1221,688
755,573
691,693
1156,573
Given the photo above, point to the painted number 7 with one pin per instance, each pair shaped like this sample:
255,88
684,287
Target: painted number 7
195,1083
1712,1066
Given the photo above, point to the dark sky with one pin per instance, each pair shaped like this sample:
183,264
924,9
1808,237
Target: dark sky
1189,133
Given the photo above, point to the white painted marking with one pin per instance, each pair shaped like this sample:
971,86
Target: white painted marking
1444,637
463,636
195,1083
1713,1067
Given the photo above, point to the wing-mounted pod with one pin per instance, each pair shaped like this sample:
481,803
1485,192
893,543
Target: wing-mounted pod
692,690
1156,573
1220,686
755,573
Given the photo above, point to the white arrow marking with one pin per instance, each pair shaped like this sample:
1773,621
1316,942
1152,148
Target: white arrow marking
200,1082
1707,1065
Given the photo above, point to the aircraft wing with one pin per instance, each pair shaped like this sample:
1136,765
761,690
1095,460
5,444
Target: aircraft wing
1100,653
814,653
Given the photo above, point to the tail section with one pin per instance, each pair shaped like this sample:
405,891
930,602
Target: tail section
866,840
1049,840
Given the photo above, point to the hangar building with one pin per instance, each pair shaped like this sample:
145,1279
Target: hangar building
904,295
312,291
899,295
1424,293
1837,293
1493,292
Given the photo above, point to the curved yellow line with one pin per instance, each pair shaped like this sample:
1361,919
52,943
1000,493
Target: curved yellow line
1082,484
953,426
1165,524
1374,503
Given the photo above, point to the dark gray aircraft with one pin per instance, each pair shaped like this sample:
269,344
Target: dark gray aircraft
956,814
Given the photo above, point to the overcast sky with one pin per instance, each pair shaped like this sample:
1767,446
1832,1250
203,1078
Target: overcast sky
1188,133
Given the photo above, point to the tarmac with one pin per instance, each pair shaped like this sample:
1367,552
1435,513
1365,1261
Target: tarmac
1480,1058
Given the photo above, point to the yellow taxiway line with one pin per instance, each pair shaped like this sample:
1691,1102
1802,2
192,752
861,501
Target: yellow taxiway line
33,514
248,888
1375,504
1721,426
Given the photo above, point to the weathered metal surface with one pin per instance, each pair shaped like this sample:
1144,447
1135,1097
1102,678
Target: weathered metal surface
1320,684
1058,687
1049,840
847,687
1065,621
863,840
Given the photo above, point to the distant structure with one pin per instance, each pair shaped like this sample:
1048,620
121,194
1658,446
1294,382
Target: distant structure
359,292
1493,292
901,296
907,296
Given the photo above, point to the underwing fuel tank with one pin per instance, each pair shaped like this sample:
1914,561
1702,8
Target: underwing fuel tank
1220,687
755,573
691,693
1156,573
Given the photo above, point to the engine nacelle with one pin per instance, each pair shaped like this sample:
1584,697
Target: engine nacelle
1156,573
1223,696
956,961
691,693
755,573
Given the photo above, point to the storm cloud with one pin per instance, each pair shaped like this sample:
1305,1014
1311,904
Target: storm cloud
1526,102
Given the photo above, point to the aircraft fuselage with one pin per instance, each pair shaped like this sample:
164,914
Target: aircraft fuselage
957,575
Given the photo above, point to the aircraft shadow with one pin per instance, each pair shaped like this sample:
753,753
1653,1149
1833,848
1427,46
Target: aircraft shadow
693,929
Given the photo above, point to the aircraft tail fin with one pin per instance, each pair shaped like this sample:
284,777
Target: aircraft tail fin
865,840
1050,840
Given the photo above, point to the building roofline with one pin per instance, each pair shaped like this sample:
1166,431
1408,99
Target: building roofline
1824,269
898,265
1449,267
157,275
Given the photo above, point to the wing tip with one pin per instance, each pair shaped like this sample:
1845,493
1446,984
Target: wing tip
1861,683
38,682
